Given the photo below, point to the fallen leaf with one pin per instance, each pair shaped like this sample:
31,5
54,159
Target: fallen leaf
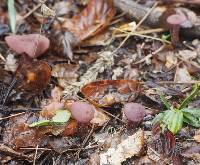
100,118
187,54
33,76
11,63
197,136
108,92
93,19
193,153
171,60
131,146
55,103
65,73
182,74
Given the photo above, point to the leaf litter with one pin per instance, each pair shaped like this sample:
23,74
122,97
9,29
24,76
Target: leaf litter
85,95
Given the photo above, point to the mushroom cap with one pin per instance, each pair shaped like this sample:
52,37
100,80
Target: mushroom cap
82,112
27,44
176,19
134,112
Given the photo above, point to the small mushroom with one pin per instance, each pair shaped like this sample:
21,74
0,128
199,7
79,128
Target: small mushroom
134,112
82,112
174,22
33,45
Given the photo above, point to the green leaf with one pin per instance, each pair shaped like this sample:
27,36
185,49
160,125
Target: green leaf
62,116
40,123
191,119
12,15
158,118
166,36
190,97
168,115
192,111
165,101
176,122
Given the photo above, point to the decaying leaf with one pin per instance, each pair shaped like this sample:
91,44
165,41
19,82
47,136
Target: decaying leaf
33,76
55,104
11,63
100,118
131,146
108,92
197,136
193,153
182,74
93,19
65,73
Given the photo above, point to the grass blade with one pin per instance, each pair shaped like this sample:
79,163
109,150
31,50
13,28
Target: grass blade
165,101
12,15
190,97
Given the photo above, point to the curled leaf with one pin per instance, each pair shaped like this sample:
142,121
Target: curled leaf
107,92
33,76
93,19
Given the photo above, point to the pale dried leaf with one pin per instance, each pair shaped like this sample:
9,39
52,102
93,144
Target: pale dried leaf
126,149
11,63
182,74
100,118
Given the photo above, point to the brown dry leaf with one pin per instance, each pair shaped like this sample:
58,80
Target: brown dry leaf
171,60
93,19
127,148
187,54
100,118
17,133
65,73
101,39
193,153
108,92
33,76
128,27
49,110
182,74
197,136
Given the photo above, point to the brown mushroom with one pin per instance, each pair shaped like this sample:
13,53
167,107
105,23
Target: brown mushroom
82,112
33,45
174,22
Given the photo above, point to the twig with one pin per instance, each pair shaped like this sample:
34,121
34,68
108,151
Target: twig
84,142
146,36
141,21
2,57
149,55
43,149
158,30
172,82
35,156
11,116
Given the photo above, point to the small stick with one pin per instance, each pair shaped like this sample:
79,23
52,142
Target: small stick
172,82
141,21
11,116
2,57
43,149
157,30
35,156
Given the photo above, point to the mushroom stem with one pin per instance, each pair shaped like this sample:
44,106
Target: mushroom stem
174,31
